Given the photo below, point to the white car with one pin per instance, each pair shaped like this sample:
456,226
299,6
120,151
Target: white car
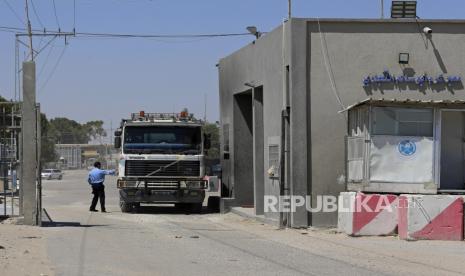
52,174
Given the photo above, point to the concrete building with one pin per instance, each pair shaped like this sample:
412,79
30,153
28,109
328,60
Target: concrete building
70,155
81,156
289,98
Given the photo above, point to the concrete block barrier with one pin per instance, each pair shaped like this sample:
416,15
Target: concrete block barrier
431,217
362,214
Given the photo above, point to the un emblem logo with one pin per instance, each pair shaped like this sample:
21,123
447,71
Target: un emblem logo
407,148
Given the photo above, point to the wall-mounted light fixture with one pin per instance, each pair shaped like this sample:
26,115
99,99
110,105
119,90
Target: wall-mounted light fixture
254,31
404,58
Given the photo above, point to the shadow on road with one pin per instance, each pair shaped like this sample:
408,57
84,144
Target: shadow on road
70,224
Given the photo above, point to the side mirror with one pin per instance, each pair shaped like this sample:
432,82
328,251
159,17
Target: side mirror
118,132
207,141
117,142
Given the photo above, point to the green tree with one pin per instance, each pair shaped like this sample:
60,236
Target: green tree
66,131
48,153
95,130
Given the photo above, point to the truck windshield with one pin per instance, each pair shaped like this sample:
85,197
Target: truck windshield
162,140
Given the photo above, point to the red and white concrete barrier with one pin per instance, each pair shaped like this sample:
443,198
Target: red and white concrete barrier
431,217
367,214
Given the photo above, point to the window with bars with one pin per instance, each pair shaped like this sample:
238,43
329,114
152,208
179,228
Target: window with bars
273,160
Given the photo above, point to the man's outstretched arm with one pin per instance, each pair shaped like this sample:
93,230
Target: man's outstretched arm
109,172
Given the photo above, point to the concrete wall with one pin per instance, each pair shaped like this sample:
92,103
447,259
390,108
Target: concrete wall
325,76
355,49
259,64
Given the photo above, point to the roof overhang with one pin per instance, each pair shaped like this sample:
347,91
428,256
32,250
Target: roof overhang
405,102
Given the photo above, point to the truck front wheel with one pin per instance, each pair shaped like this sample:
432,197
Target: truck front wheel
125,207
196,208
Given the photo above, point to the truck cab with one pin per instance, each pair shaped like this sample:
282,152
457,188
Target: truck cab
161,160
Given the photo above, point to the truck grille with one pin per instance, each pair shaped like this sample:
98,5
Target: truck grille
163,185
145,167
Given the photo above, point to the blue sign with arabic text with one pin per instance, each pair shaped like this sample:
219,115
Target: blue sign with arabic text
421,81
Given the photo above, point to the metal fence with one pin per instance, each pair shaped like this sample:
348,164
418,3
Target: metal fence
9,157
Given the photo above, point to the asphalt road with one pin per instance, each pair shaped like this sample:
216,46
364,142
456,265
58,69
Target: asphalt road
163,241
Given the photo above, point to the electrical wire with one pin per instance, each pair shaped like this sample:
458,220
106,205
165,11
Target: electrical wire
157,40
45,46
127,35
46,59
37,14
116,35
54,69
324,49
11,29
7,30
14,12
56,15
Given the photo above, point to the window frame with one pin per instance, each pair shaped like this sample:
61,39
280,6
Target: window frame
398,121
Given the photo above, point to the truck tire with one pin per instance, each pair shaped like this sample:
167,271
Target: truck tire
180,206
125,207
214,203
195,208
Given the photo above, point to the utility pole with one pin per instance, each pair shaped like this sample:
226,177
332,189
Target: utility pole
30,139
382,9
205,108
30,188
29,32
289,9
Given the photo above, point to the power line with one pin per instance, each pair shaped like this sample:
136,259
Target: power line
127,35
329,70
36,14
11,29
54,69
14,12
46,59
45,46
55,12
116,35
7,30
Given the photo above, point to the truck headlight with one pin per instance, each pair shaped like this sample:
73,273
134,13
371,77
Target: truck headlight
125,184
196,184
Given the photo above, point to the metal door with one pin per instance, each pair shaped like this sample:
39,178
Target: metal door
452,150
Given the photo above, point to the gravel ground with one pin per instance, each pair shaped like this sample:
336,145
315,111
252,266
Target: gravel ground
23,251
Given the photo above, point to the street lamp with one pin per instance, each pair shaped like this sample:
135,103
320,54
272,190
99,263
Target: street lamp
254,31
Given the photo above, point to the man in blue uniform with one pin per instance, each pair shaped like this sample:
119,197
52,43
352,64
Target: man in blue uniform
96,179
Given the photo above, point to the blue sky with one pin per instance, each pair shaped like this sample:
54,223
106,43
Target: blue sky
109,78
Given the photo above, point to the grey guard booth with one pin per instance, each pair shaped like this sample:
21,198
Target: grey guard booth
406,146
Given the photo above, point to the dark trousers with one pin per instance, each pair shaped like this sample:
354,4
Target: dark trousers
99,193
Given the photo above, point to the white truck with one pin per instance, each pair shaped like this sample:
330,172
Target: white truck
161,160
